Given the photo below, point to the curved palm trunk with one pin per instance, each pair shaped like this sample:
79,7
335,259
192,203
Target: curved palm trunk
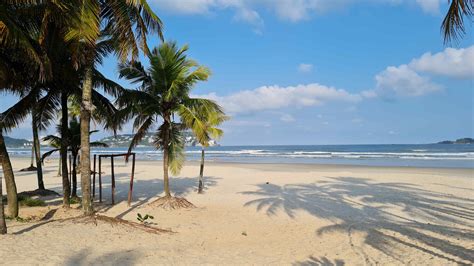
166,181
74,176
12,196
36,145
63,151
3,225
201,172
86,109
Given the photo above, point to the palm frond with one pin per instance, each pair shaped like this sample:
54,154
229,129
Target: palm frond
48,153
452,26
141,132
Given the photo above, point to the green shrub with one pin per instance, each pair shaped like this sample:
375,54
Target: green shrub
30,202
144,219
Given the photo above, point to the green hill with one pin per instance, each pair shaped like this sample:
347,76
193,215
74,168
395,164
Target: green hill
17,143
458,141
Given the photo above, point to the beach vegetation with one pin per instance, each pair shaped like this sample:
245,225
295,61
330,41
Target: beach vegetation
73,140
144,218
206,131
163,100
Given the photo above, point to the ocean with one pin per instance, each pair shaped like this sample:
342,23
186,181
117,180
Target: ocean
425,155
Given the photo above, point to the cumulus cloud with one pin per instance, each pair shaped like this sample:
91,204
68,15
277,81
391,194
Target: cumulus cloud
305,68
454,63
275,97
403,81
414,78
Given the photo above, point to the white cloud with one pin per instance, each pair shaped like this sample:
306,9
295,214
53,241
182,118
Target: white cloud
275,97
414,79
305,68
251,17
455,63
403,81
287,118
429,6
291,10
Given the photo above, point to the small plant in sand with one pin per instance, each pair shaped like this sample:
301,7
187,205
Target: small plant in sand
163,99
144,219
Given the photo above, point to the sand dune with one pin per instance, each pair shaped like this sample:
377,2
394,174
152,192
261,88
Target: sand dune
304,215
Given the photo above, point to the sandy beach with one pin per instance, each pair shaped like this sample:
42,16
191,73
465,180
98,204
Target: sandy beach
258,214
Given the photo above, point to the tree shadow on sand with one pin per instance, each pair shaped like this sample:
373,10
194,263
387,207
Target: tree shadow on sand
180,186
82,257
323,261
400,215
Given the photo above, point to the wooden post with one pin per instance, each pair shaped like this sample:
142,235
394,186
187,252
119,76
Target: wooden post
113,179
70,170
100,178
93,179
130,191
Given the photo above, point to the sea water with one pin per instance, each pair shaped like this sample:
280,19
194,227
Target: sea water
426,155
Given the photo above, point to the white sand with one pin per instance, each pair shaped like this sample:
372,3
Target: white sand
306,215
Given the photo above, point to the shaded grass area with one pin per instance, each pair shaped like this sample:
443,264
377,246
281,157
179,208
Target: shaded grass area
24,200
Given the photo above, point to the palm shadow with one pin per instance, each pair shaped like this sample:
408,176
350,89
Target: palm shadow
323,261
356,204
82,257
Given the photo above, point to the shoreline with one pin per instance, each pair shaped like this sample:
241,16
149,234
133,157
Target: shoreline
299,164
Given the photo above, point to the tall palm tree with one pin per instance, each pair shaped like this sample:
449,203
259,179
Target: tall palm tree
452,26
208,129
126,23
163,98
73,139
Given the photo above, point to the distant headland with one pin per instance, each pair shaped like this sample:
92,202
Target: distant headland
458,141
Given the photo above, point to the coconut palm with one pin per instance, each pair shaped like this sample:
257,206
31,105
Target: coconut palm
73,139
209,129
126,24
453,23
163,99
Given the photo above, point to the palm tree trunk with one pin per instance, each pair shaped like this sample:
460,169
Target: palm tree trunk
86,109
166,181
63,150
59,166
74,176
3,225
32,156
36,145
201,172
12,196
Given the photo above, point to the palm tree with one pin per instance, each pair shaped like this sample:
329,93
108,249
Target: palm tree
10,184
163,97
126,24
453,23
73,139
207,130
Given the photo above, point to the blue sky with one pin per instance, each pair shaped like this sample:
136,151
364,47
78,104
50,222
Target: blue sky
324,72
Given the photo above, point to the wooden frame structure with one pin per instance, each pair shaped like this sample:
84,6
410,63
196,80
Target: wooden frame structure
112,156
